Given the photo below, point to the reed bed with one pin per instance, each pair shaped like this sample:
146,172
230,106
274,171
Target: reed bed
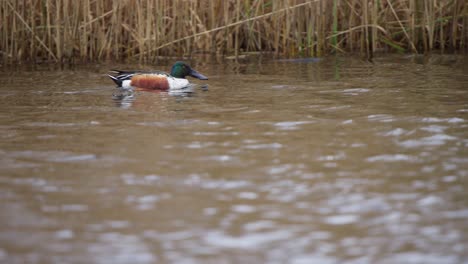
91,30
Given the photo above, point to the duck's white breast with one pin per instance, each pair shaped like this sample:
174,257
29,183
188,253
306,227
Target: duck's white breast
177,83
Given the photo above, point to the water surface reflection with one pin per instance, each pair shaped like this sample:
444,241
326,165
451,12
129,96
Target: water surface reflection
335,161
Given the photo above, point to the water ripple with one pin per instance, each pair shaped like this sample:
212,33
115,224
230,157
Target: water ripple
264,146
62,156
341,219
291,125
442,120
384,118
392,158
435,140
250,241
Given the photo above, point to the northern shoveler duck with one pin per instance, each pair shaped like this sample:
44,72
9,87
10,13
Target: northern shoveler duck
156,80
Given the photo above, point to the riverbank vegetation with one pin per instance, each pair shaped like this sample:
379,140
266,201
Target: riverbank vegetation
89,30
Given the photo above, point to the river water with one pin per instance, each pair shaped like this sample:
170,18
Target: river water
331,161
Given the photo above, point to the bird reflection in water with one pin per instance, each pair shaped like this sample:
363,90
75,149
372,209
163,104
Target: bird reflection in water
123,99
126,99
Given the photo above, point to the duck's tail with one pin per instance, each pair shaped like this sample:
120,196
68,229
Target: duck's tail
120,76
116,80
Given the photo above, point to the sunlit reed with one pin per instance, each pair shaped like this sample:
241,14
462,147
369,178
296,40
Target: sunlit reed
87,30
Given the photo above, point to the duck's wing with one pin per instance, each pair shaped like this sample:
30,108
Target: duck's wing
119,76
120,72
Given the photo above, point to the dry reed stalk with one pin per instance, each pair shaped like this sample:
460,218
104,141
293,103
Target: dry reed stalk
413,47
30,29
334,40
375,18
228,26
365,34
63,30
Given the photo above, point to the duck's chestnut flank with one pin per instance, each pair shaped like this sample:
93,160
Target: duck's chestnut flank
150,81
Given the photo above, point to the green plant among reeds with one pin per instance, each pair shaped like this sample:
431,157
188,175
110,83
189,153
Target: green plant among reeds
87,30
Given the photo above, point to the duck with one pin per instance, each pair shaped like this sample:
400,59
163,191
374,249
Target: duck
156,80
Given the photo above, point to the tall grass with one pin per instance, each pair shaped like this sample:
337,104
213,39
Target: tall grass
71,30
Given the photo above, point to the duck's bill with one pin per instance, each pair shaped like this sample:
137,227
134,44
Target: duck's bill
198,75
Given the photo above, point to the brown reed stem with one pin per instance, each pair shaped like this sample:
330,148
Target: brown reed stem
59,30
30,30
230,25
413,47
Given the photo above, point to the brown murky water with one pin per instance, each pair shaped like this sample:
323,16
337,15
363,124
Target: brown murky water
337,161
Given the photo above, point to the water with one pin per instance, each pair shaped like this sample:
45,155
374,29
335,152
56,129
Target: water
337,161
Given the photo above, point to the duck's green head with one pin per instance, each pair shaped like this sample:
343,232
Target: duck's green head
181,69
